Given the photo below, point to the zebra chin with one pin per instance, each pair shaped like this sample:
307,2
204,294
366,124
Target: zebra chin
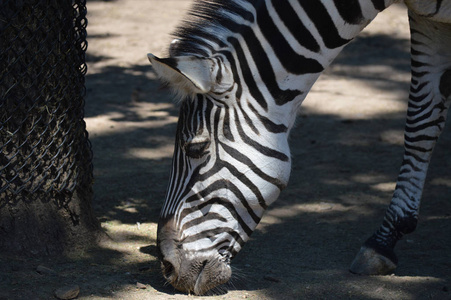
188,271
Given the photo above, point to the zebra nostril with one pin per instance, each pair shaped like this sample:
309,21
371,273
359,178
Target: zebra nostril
168,268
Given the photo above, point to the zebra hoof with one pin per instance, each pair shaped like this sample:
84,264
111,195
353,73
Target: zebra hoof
370,262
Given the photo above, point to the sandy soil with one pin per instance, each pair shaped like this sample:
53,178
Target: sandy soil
347,148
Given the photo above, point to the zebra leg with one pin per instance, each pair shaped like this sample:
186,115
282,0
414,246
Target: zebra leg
429,100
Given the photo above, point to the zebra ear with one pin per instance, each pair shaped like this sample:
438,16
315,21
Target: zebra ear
186,74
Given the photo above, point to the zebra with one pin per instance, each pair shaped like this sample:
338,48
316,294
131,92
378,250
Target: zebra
241,69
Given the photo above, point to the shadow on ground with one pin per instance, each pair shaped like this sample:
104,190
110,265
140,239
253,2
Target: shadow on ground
342,179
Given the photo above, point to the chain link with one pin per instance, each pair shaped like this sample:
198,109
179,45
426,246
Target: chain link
44,148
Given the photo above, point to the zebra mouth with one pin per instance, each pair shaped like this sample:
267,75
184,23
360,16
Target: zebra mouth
197,276
191,271
198,287
212,274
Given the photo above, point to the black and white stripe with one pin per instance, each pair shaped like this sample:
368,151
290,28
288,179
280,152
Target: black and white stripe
231,157
260,42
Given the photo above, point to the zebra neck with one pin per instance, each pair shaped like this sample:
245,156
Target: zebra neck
288,44
277,48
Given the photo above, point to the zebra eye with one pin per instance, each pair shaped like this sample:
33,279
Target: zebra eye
196,149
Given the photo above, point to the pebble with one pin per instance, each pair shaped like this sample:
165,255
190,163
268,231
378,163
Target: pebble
45,271
140,285
69,292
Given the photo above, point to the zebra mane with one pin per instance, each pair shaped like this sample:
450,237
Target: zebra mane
205,20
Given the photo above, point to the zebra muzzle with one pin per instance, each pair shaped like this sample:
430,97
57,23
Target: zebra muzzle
190,271
196,275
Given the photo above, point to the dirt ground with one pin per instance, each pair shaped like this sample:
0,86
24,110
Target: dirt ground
347,149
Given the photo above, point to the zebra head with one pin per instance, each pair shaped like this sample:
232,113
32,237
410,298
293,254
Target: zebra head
230,162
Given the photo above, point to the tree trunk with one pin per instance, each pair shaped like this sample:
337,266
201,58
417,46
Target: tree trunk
45,155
